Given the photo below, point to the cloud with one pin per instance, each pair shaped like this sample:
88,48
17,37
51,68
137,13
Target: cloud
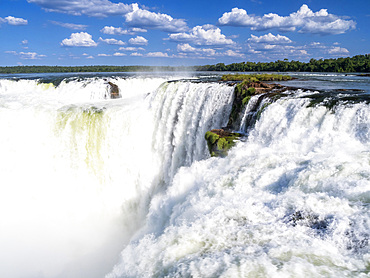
134,16
79,39
70,25
269,38
150,20
112,41
131,48
185,47
139,40
27,55
157,54
95,8
186,50
110,30
202,35
135,54
232,53
337,50
104,55
138,30
13,21
304,20
119,54
30,55
274,47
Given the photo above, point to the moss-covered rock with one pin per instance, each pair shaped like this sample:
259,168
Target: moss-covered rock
220,141
243,92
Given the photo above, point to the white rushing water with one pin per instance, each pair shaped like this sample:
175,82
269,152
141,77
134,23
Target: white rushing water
94,187
291,201
79,170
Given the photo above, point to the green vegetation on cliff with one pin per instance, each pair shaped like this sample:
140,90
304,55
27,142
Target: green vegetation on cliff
250,85
220,142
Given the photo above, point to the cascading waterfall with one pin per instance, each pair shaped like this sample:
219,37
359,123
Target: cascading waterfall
79,170
184,112
85,178
290,201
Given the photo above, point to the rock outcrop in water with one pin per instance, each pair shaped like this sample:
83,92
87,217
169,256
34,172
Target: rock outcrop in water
113,90
243,93
220,141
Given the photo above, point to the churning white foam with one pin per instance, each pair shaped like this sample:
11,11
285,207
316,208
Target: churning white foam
291,201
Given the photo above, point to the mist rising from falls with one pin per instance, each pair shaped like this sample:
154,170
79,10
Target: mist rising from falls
79,170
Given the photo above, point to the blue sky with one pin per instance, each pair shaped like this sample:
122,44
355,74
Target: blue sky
164,32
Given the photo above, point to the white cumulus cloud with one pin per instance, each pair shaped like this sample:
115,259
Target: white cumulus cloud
338,50
131,48
157,54
119,54
139,40
150,20
112,41
110,30
203,35
304,20
11,20
186,50
79,39
269,38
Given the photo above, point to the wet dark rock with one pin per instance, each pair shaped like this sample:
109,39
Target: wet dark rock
113,91
310,220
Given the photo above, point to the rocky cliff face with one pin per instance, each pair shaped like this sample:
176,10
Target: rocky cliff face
219,141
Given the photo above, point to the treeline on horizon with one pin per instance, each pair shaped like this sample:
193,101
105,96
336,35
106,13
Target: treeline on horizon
358,63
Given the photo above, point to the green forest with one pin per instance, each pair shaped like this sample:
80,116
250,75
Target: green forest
358,63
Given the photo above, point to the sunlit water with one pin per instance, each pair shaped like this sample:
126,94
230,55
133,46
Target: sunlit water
94,187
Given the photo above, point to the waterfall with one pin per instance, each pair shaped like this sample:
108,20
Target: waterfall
292,199
99,187
79,170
